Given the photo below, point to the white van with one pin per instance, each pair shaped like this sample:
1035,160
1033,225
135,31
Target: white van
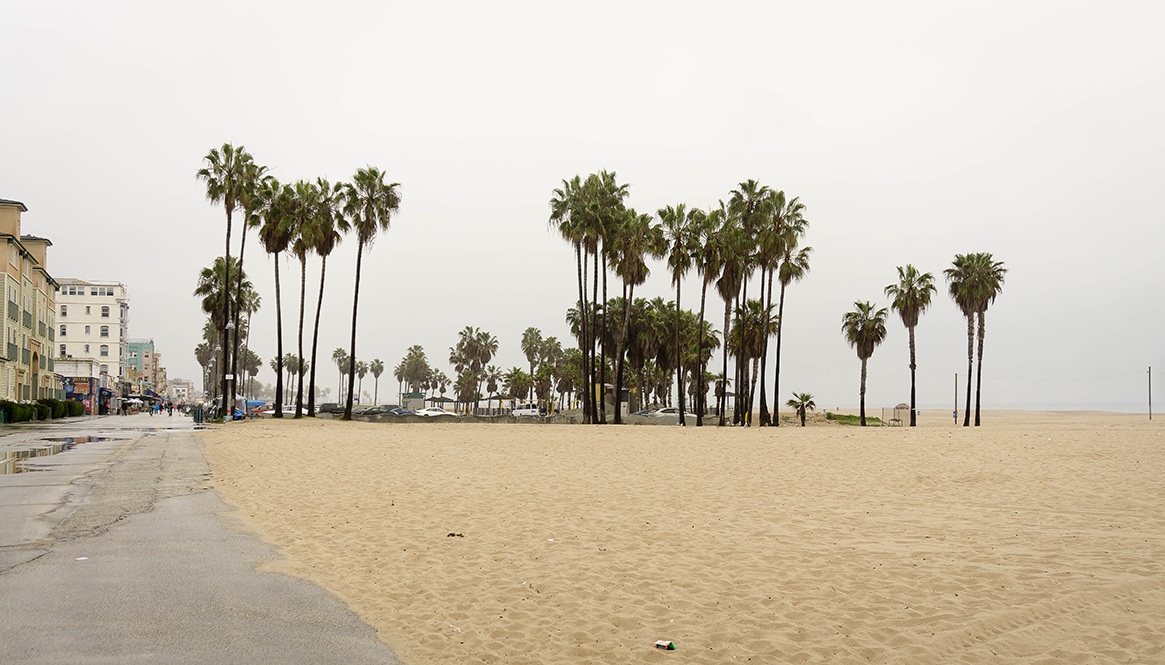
526,409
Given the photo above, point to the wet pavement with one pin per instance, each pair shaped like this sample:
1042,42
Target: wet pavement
114,549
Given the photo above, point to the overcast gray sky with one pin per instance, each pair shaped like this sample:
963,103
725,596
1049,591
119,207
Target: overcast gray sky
912,131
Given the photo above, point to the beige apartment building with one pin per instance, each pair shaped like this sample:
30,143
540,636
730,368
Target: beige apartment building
27,370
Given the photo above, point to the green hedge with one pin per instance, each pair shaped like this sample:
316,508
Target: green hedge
76,408
17,413
57,408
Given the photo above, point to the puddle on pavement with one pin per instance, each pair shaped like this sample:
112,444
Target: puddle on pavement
13,461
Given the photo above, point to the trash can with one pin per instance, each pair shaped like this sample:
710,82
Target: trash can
198,414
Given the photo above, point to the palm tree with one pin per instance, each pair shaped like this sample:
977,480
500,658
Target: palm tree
864,329
304,200
226,175
635,240
779,254
679,226
369,203
733,248
910,297
325,235
377,368
340,357
974,282
532,346
276,235
749,205
707,261
802,402
567,217
361,370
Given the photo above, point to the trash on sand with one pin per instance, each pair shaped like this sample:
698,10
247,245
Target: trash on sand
665,645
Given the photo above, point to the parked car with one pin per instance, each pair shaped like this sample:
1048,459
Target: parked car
526,409
330,407
434,411
401,411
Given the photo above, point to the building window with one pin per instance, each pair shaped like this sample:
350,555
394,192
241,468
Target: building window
86,348
104,350
86,330
62,331
64,310
62,350
87,310
105,331
105,311
105,369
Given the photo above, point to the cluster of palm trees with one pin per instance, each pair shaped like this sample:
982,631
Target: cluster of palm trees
759,230
300,218
974,281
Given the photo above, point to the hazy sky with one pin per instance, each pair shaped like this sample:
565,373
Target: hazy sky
912,131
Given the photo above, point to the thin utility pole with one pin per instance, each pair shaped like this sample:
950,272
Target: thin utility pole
956,398
1150,392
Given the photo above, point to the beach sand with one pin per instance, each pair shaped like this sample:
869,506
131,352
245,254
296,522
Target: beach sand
1036,538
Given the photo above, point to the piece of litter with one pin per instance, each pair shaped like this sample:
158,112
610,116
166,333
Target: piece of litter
665,645
550,540
81,558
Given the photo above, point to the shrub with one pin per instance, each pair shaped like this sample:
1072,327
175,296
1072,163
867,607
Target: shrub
844,419
76,408
56,407
43,411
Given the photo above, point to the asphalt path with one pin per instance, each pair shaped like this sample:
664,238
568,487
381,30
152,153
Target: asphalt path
115,550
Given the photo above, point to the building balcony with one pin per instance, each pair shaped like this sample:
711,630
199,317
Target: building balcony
28,320
13,352
26,356
52,365
52,333
40,328
13,311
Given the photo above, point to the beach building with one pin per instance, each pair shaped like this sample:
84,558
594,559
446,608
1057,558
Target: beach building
144,366
27,370
180,390
93,323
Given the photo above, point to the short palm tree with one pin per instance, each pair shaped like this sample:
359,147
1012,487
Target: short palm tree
802,402
377,368
369,203
864,329
910,297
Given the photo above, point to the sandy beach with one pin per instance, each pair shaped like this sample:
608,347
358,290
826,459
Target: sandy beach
1036,538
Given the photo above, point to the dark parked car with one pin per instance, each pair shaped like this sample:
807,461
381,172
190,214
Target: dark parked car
331,407
382,409
400,411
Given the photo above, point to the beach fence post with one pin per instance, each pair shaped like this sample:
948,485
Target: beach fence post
1150,392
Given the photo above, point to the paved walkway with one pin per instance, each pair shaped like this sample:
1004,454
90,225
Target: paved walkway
112,552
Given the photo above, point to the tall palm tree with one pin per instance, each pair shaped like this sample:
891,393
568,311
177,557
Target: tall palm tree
974,282
679,226
793,268
568,218
864,329
532,346
275,234
733,245
369,203
251,201
326,227
779,255
226,175
910,297
707,261
361,371
304,200
377,368
802,402
635,239
749,205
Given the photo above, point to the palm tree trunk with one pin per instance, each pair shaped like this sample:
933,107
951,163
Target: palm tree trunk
862,400
752,385
767,302
620,350
913,408
228,399
979,365
582,333
701,391
595,338
315,338
376,390
602,352
278,345
302,307
722,398
777,360
970,365
679,360
355,309
238,296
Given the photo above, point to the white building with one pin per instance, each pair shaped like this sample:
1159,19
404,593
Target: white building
93,323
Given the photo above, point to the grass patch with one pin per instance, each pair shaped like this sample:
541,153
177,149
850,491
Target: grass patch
843,419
